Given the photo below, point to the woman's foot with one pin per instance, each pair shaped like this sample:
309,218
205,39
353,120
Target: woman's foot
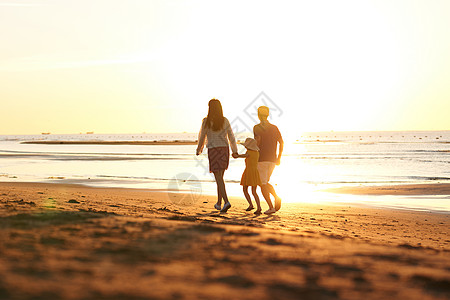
249,208
217,206
225,208
257,212
270,211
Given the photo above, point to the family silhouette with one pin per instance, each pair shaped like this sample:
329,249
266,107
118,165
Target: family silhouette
260,159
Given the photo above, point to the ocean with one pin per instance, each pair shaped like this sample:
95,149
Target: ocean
311,163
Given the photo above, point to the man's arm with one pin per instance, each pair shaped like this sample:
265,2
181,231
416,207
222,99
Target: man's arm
256,136
280,148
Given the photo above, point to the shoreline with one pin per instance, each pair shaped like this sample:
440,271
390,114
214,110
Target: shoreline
423,189
92,142
413,189
66,241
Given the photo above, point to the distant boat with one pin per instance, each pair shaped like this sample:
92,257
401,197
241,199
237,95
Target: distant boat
90,132
45,133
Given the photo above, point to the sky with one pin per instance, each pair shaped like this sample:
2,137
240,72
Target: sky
116,66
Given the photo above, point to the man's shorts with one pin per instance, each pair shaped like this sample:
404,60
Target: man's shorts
265,169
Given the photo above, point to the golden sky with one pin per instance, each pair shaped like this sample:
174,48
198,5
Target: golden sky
114,66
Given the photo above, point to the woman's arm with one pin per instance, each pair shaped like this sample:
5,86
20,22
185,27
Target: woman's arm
201,138
231,138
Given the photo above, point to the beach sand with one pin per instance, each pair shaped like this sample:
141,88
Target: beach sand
74,242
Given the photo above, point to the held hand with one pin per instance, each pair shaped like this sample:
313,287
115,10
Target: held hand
198,152
235,155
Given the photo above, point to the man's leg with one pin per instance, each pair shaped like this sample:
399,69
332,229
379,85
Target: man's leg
270,188
266,195
277,199
265,171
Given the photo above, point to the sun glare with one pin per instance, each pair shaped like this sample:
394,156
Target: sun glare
291,176
342,65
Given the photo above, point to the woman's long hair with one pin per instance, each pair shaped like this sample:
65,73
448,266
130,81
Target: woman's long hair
215,117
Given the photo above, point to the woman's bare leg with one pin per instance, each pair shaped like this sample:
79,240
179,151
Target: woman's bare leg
219,193
222,193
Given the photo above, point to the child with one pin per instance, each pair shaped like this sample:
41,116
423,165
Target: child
250,177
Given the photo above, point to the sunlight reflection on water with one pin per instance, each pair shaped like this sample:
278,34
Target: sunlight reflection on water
309,165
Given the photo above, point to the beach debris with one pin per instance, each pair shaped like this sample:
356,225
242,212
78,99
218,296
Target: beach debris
183,218
272,242
73,201
23,202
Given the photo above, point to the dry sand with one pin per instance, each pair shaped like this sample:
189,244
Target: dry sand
73,242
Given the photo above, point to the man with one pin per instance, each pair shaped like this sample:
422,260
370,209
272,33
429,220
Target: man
268,136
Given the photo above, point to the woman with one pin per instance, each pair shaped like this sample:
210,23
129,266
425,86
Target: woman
217,130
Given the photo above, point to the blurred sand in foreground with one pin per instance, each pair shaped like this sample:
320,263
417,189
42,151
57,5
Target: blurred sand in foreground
73,242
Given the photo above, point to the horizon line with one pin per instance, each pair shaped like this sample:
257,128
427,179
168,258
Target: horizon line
184,132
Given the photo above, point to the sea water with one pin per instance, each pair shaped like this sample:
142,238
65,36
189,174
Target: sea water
311,163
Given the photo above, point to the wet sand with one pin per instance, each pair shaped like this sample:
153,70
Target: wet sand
74,242
405,189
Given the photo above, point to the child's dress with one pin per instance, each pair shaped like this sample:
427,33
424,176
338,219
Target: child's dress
250,177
